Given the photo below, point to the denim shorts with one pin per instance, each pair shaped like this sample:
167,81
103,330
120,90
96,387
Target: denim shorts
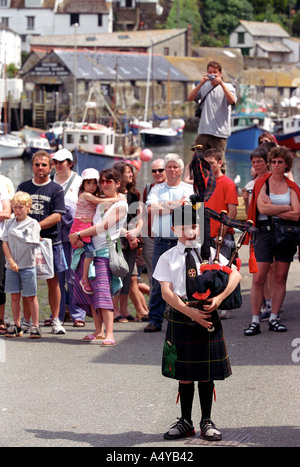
89,249
22,281
59,259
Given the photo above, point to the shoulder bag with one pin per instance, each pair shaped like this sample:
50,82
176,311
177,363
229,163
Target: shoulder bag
117,263
200,102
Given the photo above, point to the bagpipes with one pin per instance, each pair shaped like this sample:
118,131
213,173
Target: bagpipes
214,278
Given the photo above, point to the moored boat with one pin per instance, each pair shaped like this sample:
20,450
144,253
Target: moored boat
11,147
245,130
290,136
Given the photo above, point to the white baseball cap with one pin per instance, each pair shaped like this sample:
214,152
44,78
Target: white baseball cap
62,155
89,174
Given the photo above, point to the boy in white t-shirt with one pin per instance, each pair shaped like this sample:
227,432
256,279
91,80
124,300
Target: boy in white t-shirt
20,237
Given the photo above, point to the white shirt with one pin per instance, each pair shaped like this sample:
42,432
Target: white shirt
171,267
163,192
4,195
99,240
71,197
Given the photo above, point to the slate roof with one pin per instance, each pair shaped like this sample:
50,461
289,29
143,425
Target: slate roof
104,66
263,28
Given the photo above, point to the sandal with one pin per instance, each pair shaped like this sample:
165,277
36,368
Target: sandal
79,323
3,328
85,285
89,338
277,326
108,343
48,322
120,319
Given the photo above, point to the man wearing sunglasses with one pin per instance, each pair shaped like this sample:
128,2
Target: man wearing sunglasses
159,176
161,202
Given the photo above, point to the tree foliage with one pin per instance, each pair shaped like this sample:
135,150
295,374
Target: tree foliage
214,20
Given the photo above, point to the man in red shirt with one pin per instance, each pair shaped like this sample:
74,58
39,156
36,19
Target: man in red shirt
225,198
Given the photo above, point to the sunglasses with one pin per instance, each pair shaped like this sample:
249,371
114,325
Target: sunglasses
158,170
107,181
277,162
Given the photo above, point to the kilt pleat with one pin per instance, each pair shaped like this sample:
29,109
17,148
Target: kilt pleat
201,355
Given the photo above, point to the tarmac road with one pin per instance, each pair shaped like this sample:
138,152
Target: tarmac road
61,392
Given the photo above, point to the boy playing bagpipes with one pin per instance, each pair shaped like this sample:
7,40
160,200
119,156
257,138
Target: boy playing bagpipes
194,347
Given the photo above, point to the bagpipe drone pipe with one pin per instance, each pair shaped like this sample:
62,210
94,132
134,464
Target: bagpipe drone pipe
214,278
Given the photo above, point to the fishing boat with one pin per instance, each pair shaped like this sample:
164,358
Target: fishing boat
245,130
166,133
290,136
98,146
11,146
36,144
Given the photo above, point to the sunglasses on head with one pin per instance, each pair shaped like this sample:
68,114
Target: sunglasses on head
157,170
107,181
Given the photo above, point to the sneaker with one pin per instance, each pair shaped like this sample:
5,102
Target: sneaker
180,429
277,326
265,315
252,329
209,431
25,325
225,314
57,327
14,331
35,333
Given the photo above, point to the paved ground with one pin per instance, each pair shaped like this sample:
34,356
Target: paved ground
60,391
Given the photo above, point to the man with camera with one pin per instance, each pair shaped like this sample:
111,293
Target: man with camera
217,98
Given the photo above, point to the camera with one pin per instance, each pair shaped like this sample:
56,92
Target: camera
211,77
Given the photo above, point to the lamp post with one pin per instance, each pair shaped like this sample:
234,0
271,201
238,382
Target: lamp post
75,73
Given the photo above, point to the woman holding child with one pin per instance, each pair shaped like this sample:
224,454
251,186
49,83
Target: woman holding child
106,221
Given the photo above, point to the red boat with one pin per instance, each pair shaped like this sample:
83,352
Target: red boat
290,136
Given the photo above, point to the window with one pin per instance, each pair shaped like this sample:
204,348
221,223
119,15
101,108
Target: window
74,18
3,3
100,20
30,22
241,38
166,51
5,22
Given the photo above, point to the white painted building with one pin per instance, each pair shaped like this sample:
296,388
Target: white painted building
261,39
53,17
10,47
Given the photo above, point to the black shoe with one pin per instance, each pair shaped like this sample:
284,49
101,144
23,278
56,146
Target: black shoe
209,431
252,329
152,328
180,429
277,326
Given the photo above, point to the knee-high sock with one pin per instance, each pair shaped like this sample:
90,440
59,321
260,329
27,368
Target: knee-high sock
186,392
206,390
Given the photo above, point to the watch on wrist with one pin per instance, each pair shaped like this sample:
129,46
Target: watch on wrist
78,234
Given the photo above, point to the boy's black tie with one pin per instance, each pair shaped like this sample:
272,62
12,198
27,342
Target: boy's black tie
191,274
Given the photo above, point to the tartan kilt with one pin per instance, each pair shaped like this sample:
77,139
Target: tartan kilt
197,355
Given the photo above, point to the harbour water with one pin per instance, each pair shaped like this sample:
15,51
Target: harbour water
19,170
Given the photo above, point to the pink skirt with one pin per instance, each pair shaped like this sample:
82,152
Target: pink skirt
79,225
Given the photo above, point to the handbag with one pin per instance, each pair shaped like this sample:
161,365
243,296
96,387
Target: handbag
44,260
117,263
287,234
